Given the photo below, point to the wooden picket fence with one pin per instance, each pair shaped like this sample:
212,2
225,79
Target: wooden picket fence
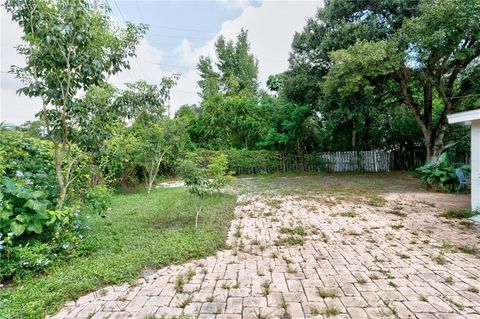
243,162
351,161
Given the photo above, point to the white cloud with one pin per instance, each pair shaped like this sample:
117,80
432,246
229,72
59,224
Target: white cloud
271,27
234,5
14,108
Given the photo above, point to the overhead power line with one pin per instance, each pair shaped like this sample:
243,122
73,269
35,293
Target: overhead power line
181,29
119,11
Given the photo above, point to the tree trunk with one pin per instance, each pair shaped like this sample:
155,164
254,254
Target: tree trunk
59,175
423,115
61,197
149,185
196,217
153,171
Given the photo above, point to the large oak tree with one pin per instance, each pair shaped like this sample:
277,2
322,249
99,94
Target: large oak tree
423,54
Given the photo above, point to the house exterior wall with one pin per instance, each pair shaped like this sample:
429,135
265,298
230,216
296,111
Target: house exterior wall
475,165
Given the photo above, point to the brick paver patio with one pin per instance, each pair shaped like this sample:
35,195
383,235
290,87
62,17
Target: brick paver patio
312,257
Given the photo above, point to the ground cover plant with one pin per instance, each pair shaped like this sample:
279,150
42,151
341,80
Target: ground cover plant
441,175
141,232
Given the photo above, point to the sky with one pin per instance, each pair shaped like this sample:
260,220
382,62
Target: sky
179,33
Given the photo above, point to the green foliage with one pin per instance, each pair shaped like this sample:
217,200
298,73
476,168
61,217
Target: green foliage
217,172
26,255
100,111
230,121
237,69
32,129
203,178
243,161
370,58
142,151
143,102
291,127
23,210
28,161
117,156
142,232
98,199
459,213
353,68
231,114
440,175
68,47
30,224
157,142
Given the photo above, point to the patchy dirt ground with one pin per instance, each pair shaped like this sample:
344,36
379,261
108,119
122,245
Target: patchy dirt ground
340,246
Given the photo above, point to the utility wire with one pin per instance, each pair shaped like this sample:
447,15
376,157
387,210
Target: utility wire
181,29
118,8
142,75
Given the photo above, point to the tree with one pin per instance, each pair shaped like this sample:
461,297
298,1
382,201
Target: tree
230,113
210,79
100,112
230,121
291,127
32,128
202,180
117,159
421,54
144,102
156,141
237,68
152,136
68,47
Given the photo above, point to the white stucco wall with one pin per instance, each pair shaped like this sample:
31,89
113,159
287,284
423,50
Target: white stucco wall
475,165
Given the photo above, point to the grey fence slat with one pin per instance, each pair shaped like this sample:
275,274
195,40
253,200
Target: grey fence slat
348,161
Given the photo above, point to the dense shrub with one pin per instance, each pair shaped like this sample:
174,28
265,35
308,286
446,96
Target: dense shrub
244,161
117,158
33,231
28,161
440,175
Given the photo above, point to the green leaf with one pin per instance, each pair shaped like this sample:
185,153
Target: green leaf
35,227
36,205
17,228
5,214
37,194
22,218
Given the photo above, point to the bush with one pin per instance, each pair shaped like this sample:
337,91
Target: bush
61,234
23,210
243,161
205,177
33,232
28,161
98,199
117,158
441,175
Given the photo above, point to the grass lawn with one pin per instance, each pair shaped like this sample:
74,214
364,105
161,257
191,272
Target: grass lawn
142,231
